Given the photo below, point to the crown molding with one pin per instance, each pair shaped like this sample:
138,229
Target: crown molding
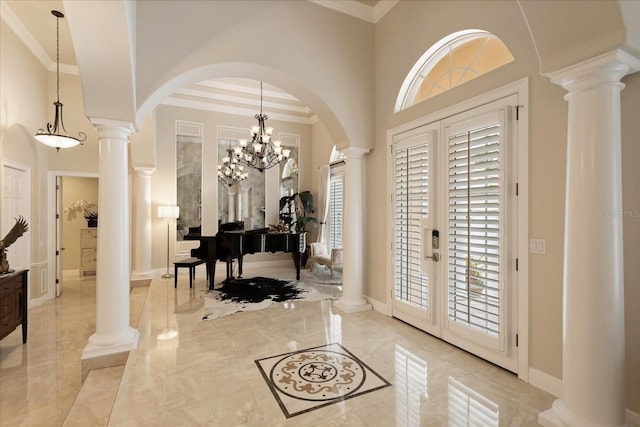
357,9
253,103
249,112
16,25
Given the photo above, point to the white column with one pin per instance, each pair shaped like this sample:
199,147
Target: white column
593,370
353,234
272,201
142,220
245,204
231,210
113,333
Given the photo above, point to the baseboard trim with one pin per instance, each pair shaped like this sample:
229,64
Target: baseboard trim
545,382
377,305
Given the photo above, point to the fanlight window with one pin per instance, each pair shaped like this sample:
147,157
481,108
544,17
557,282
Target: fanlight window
454,60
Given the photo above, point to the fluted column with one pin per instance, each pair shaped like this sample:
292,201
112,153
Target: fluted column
352,299
142,220
113,333
593,368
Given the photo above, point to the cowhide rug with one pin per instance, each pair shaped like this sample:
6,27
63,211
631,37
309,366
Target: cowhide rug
258,293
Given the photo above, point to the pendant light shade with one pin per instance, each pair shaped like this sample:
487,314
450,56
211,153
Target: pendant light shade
55,135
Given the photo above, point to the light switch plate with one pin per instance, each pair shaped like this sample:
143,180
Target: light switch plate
538,246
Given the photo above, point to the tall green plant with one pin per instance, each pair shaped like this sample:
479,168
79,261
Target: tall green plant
298,206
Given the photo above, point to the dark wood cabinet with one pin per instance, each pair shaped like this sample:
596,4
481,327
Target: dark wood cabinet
13,303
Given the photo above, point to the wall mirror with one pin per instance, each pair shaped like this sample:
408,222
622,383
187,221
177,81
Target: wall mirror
289,173
189,176
243,201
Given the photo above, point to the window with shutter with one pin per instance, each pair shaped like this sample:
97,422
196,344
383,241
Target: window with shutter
474,239
336,203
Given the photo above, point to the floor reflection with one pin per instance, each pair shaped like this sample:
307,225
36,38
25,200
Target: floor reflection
467,407
411,387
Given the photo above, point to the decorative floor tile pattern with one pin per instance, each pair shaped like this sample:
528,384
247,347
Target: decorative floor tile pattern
309,379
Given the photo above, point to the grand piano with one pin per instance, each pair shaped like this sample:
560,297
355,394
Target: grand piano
233,242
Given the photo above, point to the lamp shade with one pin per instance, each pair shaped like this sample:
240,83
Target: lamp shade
168,211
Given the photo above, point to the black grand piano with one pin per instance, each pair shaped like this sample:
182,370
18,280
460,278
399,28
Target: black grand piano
233,242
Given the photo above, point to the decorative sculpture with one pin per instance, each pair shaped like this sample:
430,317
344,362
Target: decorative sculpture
18,230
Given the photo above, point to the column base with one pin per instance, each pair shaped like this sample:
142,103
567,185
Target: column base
142,275
352,308
560,416
104,346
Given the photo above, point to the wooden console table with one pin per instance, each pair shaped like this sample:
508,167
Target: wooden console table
13,303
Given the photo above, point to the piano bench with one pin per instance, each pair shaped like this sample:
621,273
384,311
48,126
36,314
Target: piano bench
190,263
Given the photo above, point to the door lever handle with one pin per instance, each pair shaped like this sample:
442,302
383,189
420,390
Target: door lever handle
435,257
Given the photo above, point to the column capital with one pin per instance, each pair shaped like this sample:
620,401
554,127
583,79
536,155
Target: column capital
108,125
609,67
355,152
144,170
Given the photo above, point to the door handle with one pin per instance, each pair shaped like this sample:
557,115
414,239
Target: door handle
429,242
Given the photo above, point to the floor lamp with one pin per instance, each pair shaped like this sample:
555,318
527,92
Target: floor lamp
168,212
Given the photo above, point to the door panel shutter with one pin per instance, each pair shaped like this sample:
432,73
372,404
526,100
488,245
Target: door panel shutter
474,221
411,206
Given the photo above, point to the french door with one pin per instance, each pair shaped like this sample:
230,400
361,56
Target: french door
454,236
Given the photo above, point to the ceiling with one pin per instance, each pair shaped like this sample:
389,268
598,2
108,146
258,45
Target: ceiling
34,24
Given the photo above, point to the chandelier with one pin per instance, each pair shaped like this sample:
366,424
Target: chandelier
56,135
230,171
261,152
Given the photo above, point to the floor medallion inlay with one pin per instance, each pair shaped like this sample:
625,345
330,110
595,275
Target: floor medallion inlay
305,380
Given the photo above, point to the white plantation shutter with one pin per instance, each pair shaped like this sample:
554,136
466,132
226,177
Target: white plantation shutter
475,217
336,204
411,205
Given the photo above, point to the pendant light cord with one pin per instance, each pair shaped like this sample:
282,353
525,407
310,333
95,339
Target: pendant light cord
58,58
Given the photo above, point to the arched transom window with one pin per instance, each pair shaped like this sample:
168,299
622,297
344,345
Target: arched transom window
454,60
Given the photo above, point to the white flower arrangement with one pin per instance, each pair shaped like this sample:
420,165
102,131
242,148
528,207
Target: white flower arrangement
89,210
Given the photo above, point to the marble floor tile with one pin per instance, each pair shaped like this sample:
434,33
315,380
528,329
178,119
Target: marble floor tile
190,372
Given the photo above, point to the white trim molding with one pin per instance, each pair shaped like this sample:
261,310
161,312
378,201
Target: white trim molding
545,382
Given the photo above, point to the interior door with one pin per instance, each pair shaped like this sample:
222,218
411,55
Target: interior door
59,247
414,272
15,203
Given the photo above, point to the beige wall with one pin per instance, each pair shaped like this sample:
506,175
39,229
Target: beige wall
23,80
406,32
27,92
74,189
224,39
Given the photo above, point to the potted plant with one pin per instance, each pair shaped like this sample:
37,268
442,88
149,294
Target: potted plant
295,210
88,210
475,277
